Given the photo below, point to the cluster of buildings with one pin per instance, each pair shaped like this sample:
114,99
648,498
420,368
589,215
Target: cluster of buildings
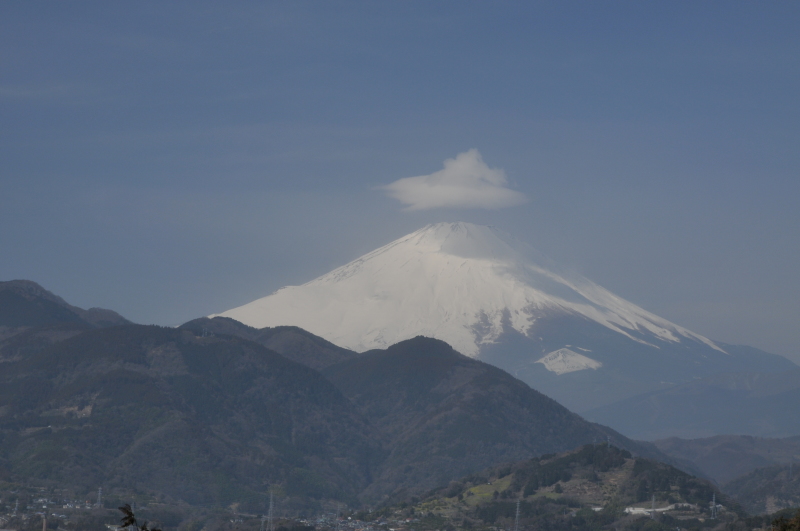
333,523
42,507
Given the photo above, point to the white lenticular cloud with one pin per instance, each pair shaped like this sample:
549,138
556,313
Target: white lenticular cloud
465,182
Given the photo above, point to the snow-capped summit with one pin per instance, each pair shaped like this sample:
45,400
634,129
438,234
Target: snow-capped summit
462,283
495,298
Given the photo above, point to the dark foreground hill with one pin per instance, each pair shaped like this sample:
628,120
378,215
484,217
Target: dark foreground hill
202,419
445,415
585,489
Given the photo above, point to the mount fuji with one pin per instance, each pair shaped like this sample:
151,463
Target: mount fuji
497,299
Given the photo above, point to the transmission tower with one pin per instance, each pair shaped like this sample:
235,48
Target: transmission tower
16,506
516,518
269,514
99,497
714,507
653,508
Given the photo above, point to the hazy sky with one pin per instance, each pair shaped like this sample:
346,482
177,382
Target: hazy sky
173,159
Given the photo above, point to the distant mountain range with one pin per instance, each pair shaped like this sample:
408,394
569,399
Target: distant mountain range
498,300
753,403
724,458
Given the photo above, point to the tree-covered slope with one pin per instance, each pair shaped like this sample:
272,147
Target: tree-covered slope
445,415
204,419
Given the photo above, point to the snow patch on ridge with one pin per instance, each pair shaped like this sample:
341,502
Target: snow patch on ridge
564,360
458,282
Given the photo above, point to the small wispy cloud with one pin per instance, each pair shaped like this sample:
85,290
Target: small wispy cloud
464,182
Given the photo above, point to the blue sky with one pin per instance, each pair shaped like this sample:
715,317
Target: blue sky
170,160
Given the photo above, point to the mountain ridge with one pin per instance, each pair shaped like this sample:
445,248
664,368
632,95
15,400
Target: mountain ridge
24,304
289,341
436,406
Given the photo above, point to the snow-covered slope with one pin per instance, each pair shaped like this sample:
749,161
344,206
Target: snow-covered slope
564,360
462,283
